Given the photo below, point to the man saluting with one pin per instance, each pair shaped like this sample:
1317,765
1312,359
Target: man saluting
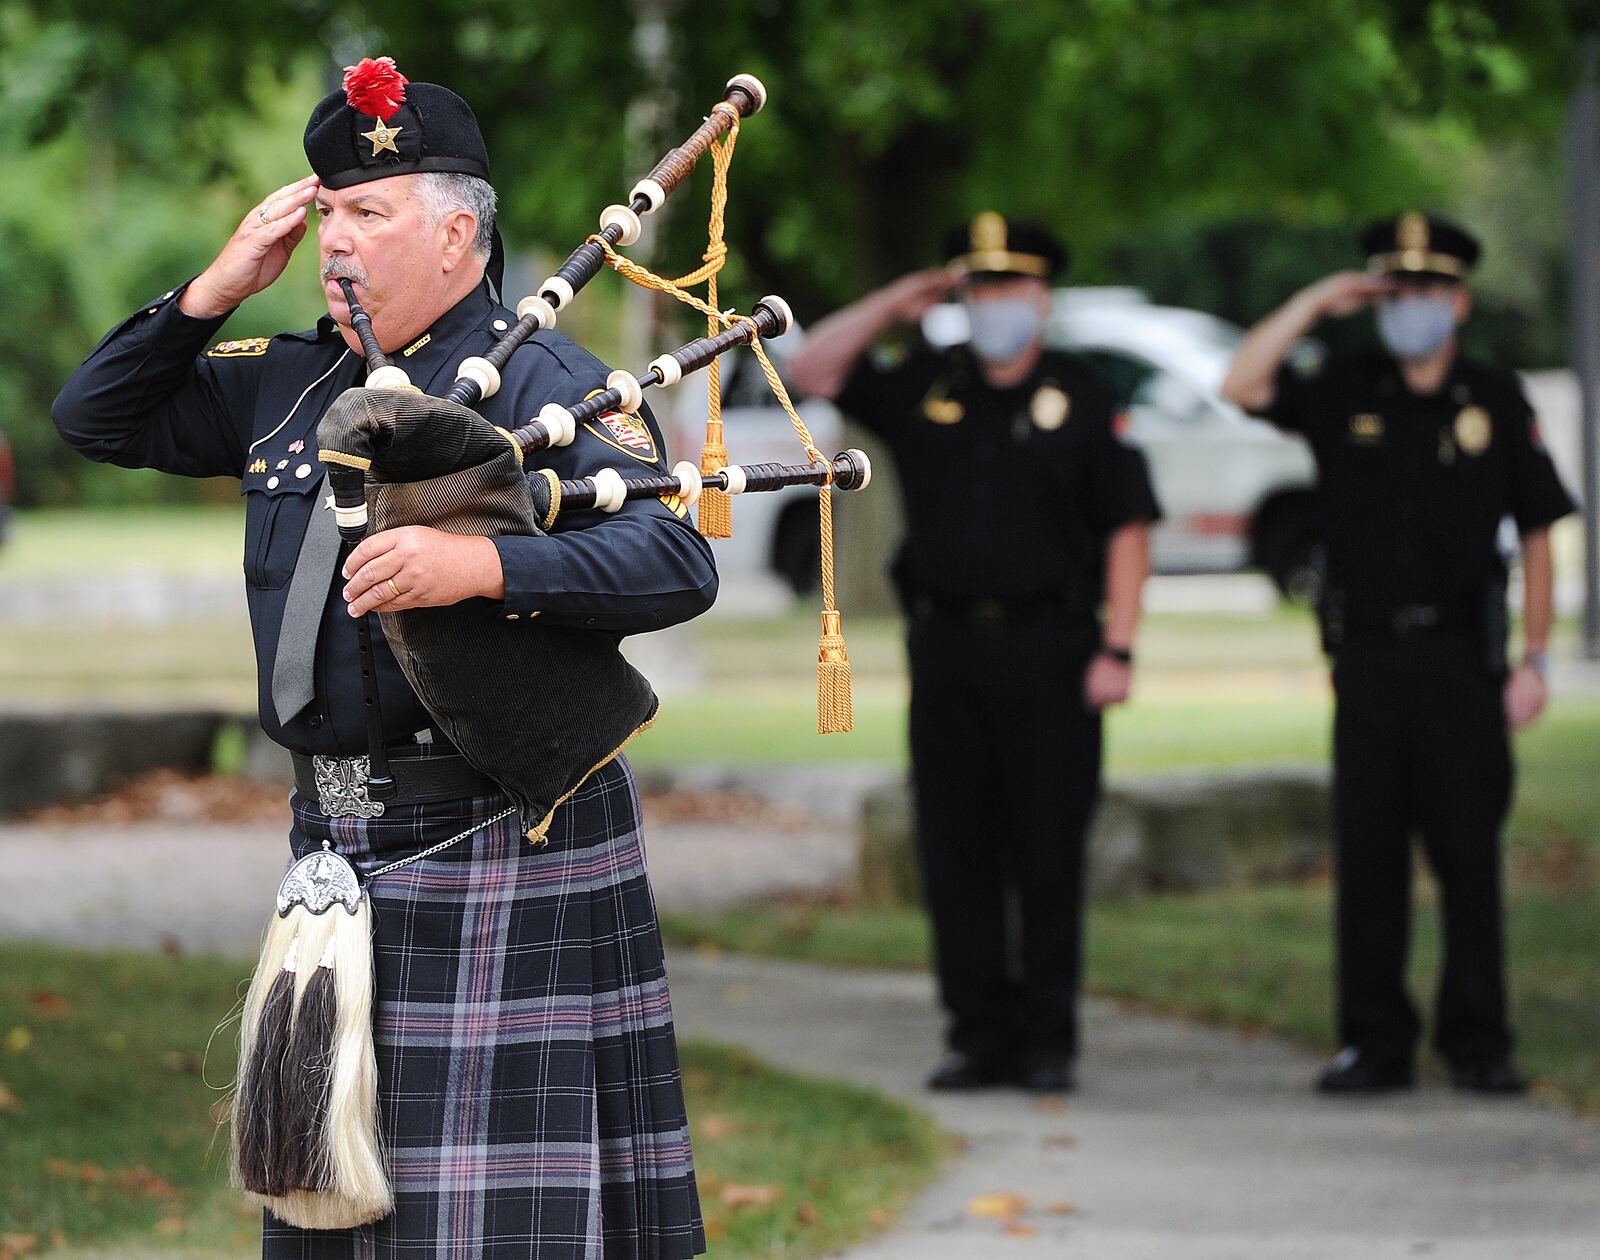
1421,453
528,1075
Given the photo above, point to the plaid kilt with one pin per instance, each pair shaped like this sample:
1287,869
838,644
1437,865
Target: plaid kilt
528,1073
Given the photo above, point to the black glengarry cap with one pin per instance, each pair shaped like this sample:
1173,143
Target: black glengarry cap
380,124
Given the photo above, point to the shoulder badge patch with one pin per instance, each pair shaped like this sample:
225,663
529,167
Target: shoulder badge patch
245,348
629,434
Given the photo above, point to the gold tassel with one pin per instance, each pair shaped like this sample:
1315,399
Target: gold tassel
835,706
716,507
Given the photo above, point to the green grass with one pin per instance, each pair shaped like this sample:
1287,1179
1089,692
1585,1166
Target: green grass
108,1139
190,540
1258,959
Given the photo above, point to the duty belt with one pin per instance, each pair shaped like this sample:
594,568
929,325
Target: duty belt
995,611
1415,621
339,784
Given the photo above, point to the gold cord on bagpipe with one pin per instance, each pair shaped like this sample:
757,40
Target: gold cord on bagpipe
835,707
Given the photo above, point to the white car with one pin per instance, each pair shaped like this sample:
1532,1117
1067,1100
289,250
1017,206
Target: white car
1235,492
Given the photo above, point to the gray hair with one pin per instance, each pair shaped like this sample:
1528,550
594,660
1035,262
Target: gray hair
442,193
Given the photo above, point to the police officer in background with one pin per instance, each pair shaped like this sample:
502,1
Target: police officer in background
1025,510
1421,454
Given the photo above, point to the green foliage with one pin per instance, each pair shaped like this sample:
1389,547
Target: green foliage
1160,137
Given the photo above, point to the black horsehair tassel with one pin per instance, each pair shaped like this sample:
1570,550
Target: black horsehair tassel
262,1148
308,1079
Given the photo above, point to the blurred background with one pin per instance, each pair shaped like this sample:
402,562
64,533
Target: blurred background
1203,160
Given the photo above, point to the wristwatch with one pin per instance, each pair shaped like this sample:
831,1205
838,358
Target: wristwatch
1121,655
1539,662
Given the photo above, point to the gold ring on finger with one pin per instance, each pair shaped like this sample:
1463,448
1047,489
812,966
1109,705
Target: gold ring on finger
395,590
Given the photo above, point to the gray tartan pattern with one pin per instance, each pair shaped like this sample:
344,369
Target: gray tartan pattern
529,1081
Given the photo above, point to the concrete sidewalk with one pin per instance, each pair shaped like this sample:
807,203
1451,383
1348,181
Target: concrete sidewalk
1183,1142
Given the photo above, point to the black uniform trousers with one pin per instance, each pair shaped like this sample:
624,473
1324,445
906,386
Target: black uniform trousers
1006,765
1420,744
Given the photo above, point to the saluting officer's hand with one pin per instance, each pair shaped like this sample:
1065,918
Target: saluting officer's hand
1106,682
1525,696
255,254
1345,293
419,567
910,297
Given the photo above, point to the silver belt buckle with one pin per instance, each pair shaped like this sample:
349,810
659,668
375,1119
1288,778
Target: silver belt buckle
342,787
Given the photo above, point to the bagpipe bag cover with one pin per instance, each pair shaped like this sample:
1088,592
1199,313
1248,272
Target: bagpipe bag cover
535,707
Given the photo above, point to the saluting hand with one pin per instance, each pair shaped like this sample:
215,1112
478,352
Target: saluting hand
910,297
418,567
255,254
1345,293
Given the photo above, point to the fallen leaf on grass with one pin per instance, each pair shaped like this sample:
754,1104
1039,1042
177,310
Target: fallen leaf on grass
14,1245
18,1040
737,1196
716,1231
171,1226
8,1100
88,1174
1018,1229
47,1003
183,1062
807,1214
878,1218
715,1126
1001,1204
140,1181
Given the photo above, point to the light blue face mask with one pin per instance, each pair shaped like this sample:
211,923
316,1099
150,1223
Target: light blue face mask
1413,326
1003,327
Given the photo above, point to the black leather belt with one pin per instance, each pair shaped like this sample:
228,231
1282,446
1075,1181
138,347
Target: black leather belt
1415,621
339,784
987,610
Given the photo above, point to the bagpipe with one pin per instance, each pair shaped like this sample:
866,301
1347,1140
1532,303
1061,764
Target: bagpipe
535,707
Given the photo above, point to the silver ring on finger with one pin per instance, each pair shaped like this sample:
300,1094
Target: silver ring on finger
263,216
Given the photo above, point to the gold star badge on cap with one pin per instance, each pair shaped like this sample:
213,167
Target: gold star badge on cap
383,138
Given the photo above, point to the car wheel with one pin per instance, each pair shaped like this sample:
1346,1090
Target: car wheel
797,548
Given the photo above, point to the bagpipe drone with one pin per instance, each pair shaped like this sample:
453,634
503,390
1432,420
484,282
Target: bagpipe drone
537,708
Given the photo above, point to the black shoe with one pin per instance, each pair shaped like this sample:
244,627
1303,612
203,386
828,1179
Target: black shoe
1497,1076
960,1070
1356,1072
1048,1074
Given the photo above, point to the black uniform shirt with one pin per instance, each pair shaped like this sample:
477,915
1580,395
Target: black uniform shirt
152,396
1412,488
1009,493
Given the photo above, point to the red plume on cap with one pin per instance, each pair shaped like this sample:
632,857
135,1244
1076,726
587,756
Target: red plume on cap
375,87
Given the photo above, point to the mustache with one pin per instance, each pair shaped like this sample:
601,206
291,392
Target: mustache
339,269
